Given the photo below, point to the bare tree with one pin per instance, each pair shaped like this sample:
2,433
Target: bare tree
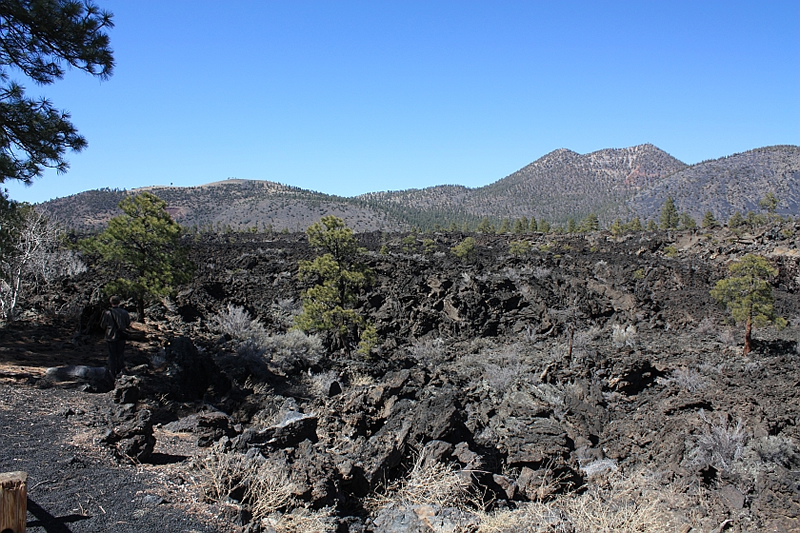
35,253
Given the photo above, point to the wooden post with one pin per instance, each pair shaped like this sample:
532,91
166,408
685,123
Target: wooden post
13,501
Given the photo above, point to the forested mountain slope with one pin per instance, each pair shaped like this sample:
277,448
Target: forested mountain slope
563,184
733,183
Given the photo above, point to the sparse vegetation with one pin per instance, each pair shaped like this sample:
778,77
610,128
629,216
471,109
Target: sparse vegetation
719,444
669,218
623,336
620,504
338,274
142,249
465,249
32,253
431,483
519,248
747,294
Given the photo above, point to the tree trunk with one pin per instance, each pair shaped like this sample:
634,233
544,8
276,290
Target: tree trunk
140,309
13,501
747,328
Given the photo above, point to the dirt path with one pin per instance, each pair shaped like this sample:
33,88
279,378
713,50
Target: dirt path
74,485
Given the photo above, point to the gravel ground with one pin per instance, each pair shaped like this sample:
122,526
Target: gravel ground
74,485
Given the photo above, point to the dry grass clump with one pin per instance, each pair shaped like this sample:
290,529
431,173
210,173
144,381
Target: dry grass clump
220,474
618,505
263,484
302,520
434,483
428,483
269,490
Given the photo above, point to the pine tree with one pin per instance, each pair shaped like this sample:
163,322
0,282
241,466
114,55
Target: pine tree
337,276
709,221
143,248
747,294
484,226
736,220
41,39
572,226
669,218
635,224
769,203
590,223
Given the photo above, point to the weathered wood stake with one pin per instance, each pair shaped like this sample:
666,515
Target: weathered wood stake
13,501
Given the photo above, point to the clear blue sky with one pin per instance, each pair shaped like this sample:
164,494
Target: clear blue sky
347,97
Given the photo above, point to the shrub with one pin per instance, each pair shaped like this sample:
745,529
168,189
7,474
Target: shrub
293,351
582,342
284,310
685,378
426,350
777,450
465,248
623,336
541,273
719,445
501,378
706,326
599,466
519,248
237,322
221,473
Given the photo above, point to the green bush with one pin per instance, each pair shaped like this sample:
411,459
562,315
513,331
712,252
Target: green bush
519,248
465,248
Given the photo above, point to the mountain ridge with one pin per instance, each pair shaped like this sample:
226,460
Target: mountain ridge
562,184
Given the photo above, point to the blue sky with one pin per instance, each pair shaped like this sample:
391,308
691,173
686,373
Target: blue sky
347,97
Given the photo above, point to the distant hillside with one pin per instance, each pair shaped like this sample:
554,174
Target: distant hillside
733,183
561,185
232,204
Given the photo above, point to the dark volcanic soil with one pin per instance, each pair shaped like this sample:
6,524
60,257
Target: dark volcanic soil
52,433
